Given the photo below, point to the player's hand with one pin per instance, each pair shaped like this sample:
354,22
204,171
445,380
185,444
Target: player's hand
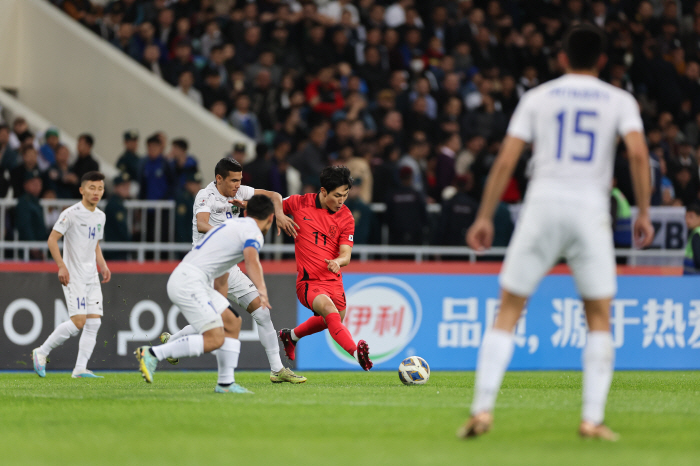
106,274
63,275
288,225
264,301
238,203
480,234
333,266
643,231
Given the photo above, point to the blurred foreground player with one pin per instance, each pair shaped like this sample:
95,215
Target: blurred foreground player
573,123
322,246
82,226
190,288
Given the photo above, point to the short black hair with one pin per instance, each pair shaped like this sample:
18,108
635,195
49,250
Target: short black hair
334,177
260,207
693,207
583,45
153,139
226,165
92,176
181,143
87,138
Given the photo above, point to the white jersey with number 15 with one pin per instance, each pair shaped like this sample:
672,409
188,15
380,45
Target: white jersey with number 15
573,123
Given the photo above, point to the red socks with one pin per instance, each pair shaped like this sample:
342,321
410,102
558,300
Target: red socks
340,333
312,325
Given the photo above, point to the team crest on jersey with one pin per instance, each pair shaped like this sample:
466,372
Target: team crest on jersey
99,227
234,209
334,231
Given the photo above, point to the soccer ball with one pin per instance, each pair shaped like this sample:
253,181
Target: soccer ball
414,371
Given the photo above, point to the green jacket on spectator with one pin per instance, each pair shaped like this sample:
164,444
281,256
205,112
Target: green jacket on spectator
29,218
184,205
118,228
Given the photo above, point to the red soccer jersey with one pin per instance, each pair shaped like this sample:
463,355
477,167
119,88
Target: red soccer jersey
319,237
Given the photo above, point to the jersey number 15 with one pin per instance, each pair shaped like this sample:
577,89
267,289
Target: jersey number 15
579,116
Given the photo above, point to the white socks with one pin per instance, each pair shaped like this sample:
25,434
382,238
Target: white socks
494,356
268,337
189,346
598,363
227,360
59,336
294,335
187,330
87,343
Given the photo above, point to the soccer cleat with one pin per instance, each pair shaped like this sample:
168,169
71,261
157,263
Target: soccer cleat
233,388
477,425
85,374
39,361
363,355
286,375
600,431
147,363
164,338
289,344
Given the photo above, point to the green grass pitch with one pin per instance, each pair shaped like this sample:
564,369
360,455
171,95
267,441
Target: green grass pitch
339,418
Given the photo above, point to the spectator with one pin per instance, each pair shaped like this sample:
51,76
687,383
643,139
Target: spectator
311,160
182,163
129,162
406,213
152,60
284,178
257,172
323,94
445,170
184,204
264,100
186,87
361,212
373,71
9,158
213,90
116,223
19,130
244,120
29,213
156,177
48,150
86,162
458,213
61,180
415,159
182,61
28,165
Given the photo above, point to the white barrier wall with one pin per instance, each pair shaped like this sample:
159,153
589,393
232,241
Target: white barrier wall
83,84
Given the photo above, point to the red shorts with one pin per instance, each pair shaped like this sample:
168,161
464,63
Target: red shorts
308,290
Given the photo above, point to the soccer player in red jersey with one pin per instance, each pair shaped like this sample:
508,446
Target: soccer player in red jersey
322,246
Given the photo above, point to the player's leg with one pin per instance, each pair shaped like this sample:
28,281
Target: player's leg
73,292
592,262
88,338
534,249
227,355
328,308
202,307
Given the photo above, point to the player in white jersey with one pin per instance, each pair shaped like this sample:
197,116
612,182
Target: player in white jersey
82,227
190,288
573,123
223,199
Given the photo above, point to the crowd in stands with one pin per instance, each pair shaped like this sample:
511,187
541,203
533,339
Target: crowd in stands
414,96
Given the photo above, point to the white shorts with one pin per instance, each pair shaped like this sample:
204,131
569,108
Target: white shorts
548,231
241,289
83,298
191,291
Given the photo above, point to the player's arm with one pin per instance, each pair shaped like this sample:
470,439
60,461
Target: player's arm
480,234
283,222
342,260
203,222
255,273
102,264
63,275
641,181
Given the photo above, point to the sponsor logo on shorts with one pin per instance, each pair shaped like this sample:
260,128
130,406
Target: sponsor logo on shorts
386,312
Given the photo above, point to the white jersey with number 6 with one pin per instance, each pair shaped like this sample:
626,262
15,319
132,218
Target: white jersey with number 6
574,122
81,230
222,247
219,208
